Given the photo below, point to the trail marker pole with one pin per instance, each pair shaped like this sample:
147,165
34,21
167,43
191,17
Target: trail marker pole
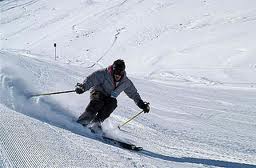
55,51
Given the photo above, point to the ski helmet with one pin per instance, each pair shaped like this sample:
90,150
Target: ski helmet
118,67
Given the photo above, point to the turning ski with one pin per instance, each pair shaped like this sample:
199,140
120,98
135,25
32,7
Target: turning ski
96,129
121,144
103,137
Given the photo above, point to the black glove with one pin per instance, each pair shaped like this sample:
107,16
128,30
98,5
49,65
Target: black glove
144,106
79,88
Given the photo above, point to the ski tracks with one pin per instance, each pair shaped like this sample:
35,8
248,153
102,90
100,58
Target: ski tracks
15,4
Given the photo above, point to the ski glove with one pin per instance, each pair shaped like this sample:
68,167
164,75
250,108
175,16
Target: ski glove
144,106
79,88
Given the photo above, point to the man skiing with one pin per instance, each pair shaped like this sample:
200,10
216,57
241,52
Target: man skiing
106,85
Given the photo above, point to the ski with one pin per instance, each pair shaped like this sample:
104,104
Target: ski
121,144
101,136
104,138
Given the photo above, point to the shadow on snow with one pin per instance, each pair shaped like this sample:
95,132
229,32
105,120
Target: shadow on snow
207,162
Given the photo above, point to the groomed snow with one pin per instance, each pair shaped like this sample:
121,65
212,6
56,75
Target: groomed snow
194,61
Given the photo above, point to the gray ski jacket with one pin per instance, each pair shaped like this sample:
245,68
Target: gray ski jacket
103,81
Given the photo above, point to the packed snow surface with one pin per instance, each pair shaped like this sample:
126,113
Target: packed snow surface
193,60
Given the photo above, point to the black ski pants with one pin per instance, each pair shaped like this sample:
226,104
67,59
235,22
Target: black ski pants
99,108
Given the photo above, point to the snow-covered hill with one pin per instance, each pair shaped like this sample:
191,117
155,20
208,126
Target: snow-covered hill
195,41
187,126
192,60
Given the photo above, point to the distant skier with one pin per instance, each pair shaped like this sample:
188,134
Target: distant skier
106,85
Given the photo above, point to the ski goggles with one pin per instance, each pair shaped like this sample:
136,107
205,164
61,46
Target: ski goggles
118,72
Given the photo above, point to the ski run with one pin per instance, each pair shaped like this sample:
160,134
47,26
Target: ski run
193,61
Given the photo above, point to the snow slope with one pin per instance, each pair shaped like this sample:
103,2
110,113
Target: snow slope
187,126
192,60
198,41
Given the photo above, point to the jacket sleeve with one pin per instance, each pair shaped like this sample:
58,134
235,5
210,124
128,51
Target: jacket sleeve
132,92
96,78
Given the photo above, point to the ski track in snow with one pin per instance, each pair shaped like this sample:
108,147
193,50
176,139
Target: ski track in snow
15,4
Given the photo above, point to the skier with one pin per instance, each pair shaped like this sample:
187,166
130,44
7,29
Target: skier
106,85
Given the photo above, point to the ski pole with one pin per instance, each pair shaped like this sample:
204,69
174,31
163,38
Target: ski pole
130,119
52,93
